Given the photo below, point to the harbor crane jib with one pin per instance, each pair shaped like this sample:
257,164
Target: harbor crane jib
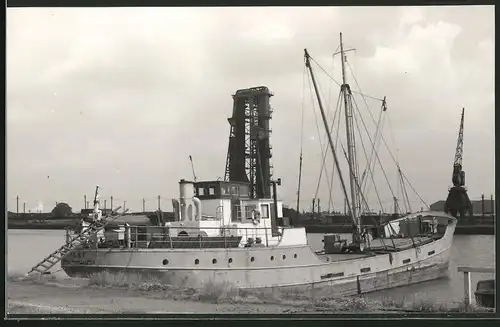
458,201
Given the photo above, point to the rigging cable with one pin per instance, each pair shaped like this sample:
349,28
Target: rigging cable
380,122
376,145
366,157
345,154
301,138
380,125
376,154
317,125
373,119
385,143
333,79
406,200
356,125
324,153
364,95
336,146
328,111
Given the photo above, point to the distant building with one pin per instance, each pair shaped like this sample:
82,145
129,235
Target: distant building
477,206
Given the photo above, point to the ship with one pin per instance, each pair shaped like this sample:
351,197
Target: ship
232,231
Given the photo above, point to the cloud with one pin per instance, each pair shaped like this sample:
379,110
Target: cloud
93,91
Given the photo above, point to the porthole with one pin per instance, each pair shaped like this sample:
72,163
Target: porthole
252,259
165,262
196,261
272,258
214,261
295,255
284,257
230,260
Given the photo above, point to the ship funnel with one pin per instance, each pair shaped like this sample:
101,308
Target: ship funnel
176,205
186,190
197,205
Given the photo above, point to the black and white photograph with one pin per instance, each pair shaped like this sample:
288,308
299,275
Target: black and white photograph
273,160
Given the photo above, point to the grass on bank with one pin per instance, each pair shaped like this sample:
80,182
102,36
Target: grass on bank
227,293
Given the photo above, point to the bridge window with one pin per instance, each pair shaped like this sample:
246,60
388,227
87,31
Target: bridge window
244,190
201,191
236,213
264,209
211,191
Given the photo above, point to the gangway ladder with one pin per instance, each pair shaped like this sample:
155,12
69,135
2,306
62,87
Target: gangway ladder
52,259
87,232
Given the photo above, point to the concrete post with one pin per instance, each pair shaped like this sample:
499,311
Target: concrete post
467,288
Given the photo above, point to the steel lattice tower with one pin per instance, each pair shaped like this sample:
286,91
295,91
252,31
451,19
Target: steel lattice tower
249,151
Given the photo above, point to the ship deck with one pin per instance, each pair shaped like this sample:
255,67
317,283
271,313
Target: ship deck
379,245
400,243
343,256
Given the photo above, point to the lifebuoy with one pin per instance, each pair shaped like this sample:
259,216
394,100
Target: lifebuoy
255,217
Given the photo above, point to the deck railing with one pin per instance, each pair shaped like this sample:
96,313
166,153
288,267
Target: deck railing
467,280
130,236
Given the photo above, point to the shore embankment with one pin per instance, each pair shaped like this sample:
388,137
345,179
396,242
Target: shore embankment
106,293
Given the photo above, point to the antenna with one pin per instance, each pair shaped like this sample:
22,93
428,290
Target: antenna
192,167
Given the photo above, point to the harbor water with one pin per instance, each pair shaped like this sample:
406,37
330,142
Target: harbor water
28,247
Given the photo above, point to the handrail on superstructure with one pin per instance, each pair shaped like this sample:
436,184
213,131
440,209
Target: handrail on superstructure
467,270
162,236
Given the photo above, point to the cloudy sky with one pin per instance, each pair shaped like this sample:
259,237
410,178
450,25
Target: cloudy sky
121,97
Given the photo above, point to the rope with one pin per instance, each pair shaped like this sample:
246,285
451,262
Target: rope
317,126
333,79
376,154
371,173
324,154
396,160
387,147
374,149
409,183
372,142
376,144
336,143
301,139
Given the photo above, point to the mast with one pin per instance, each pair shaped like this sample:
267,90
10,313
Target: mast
323,116
351,154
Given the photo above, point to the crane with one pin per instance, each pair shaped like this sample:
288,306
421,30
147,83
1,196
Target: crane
192,167
458,201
